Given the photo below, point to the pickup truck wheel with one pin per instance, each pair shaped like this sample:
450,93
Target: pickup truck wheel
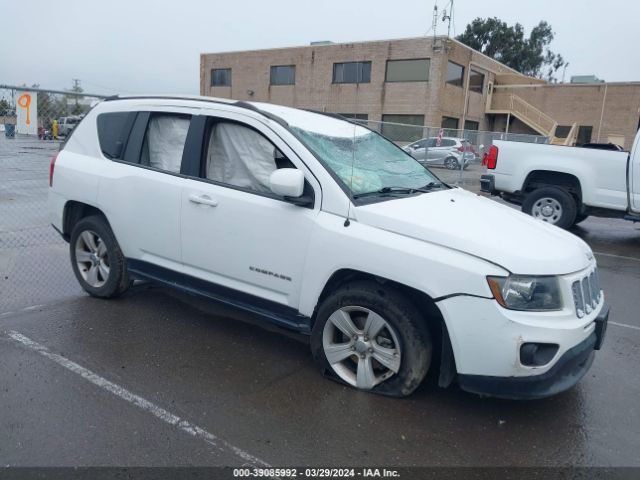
581,217
552,205
96,258
372,338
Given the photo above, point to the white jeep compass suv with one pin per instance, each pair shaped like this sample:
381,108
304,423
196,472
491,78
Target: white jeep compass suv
327,228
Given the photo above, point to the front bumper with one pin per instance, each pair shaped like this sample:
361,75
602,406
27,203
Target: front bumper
564,374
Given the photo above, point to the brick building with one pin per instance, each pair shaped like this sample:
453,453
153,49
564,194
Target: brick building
423,81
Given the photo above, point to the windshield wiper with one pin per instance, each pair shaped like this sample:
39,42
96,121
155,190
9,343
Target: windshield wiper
399,190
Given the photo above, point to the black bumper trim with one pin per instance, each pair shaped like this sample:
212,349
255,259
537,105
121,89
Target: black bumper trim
567,371
488,184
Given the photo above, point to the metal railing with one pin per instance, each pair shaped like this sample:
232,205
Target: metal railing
523,110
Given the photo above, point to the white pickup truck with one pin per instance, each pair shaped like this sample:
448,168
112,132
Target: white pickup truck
564,185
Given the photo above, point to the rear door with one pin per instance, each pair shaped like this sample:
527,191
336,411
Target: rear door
141,191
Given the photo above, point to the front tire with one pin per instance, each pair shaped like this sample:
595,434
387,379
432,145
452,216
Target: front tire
96,258
373,338
552,205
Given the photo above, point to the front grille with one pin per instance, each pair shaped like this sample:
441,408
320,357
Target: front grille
586,294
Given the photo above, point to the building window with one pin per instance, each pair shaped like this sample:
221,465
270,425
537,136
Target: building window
476,81
455,74
283,75
471,125
360,117
584,135
410,130
562,131
352,72
221,77
450,123
408,70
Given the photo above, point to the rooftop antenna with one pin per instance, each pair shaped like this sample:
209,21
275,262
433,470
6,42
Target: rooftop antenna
434,22
447,18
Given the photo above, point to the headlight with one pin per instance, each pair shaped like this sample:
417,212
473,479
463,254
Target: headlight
520,292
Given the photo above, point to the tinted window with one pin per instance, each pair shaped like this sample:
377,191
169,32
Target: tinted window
476,81
471,125
408,70
446,142
584,135
283,75
407,132
450,122
113,131
455,74
221,77
164,141
363,117
352,72
562,131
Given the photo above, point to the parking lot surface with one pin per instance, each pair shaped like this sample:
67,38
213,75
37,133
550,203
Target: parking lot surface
162,378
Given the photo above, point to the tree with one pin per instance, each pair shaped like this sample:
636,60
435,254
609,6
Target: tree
5,107
507,44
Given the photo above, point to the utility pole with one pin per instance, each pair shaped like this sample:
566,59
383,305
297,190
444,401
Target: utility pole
76,88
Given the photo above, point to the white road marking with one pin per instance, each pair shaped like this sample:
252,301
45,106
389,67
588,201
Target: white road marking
617,256
138,401
624,325
25,309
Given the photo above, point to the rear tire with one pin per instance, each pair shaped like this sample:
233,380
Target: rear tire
389,339
96,258
553,205
451,163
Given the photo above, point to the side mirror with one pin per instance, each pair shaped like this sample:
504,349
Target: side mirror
287,182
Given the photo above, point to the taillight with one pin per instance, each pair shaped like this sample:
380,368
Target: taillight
461,148
52,166
492,157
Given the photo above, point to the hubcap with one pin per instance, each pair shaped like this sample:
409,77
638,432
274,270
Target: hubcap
361,347
92,258
547,209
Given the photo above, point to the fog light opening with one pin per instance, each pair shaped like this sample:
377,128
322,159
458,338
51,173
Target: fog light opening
537,354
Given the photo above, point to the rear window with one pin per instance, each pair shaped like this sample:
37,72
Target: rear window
113,131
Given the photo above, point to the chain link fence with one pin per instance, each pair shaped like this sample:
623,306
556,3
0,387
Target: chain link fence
34,260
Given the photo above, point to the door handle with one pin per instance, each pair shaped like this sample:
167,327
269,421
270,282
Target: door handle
203,199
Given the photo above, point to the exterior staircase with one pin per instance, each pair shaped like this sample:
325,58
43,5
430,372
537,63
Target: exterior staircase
511,104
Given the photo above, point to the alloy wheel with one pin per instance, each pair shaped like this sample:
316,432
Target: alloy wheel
361,347
92,258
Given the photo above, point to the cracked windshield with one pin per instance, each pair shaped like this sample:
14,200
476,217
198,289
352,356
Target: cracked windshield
365,161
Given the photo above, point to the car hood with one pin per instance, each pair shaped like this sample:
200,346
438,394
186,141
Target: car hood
481,227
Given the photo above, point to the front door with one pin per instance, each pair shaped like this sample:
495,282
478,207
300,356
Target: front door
236,234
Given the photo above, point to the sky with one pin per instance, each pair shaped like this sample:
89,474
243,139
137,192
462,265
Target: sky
141,46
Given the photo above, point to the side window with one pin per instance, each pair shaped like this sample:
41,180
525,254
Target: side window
448,143
164,141
113,132
431,142
240,156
